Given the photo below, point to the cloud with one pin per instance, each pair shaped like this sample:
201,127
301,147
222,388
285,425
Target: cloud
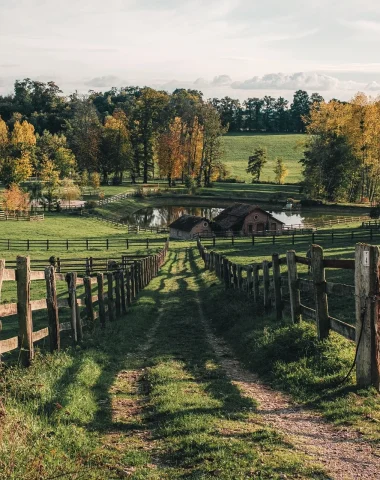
373,87
281,81
106,81
221,81
362,25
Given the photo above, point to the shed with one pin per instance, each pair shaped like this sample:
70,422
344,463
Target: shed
247,219
189,226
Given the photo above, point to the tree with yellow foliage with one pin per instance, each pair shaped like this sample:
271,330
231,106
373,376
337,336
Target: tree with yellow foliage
170,151
14,199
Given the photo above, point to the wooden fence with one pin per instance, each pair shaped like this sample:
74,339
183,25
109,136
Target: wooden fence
308,236
16,217
270,292
123,285
83,244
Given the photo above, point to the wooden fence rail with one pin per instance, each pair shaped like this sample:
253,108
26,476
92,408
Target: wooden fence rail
83,244
366,292
123,286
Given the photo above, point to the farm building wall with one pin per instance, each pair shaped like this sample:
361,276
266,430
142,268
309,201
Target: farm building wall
258,221
201,227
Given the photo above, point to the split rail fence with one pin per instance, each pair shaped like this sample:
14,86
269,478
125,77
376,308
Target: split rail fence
123,285
269,290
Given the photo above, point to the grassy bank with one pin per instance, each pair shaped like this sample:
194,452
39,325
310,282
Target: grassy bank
238,147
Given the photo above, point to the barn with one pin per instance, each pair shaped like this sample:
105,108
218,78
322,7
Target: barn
189,226
245,219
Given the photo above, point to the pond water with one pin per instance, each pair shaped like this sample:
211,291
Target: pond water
162,216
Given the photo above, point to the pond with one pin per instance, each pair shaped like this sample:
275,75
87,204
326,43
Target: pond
162,216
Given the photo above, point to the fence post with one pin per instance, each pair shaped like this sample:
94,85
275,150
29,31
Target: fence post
226,273
133,281
321,303
117,293
2,268
88,301
111,305
256,283
102,308
249,279
239,277
71,284
266,282
277,285
234,275
128,285
294,292
24,310
52,308
367,315
123,297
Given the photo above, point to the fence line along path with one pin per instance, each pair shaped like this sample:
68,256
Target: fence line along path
122,286
271,291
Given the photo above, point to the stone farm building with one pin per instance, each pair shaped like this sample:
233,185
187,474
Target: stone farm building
189,226
245,219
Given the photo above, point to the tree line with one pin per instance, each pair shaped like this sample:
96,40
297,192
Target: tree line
342,155
129,130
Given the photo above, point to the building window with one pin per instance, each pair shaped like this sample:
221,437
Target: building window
205,224
256,217
250,228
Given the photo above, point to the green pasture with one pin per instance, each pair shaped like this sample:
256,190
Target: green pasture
238,147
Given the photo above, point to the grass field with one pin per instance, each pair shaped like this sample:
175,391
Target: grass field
238,147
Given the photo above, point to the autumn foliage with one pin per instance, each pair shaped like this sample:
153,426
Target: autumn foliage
14,199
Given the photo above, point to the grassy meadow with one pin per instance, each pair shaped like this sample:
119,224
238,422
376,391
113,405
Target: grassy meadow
238,147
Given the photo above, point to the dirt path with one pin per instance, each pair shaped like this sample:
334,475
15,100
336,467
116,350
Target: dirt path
342,452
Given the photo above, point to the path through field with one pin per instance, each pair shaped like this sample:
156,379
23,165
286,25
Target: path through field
191,411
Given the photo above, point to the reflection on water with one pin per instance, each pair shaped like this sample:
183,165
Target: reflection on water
162,216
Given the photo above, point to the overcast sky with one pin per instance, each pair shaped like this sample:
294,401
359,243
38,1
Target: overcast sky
239,48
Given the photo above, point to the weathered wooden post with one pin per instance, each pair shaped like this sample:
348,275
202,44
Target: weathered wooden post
266,283
234,275
294,291
122,292
226,273
71,279
367,282
102,308
239,277
320,295
276,272
2,268
110,299
128,285
133,281
52,308
24,310
249,279
88,301
256,283
117,294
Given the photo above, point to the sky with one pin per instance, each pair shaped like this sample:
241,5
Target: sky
239,48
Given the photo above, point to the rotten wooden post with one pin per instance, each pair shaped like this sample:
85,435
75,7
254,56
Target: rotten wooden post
52,309
367,284
88,301
24,311
294,291
110,299
71,279
266,283
276,273
102,308
320,295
